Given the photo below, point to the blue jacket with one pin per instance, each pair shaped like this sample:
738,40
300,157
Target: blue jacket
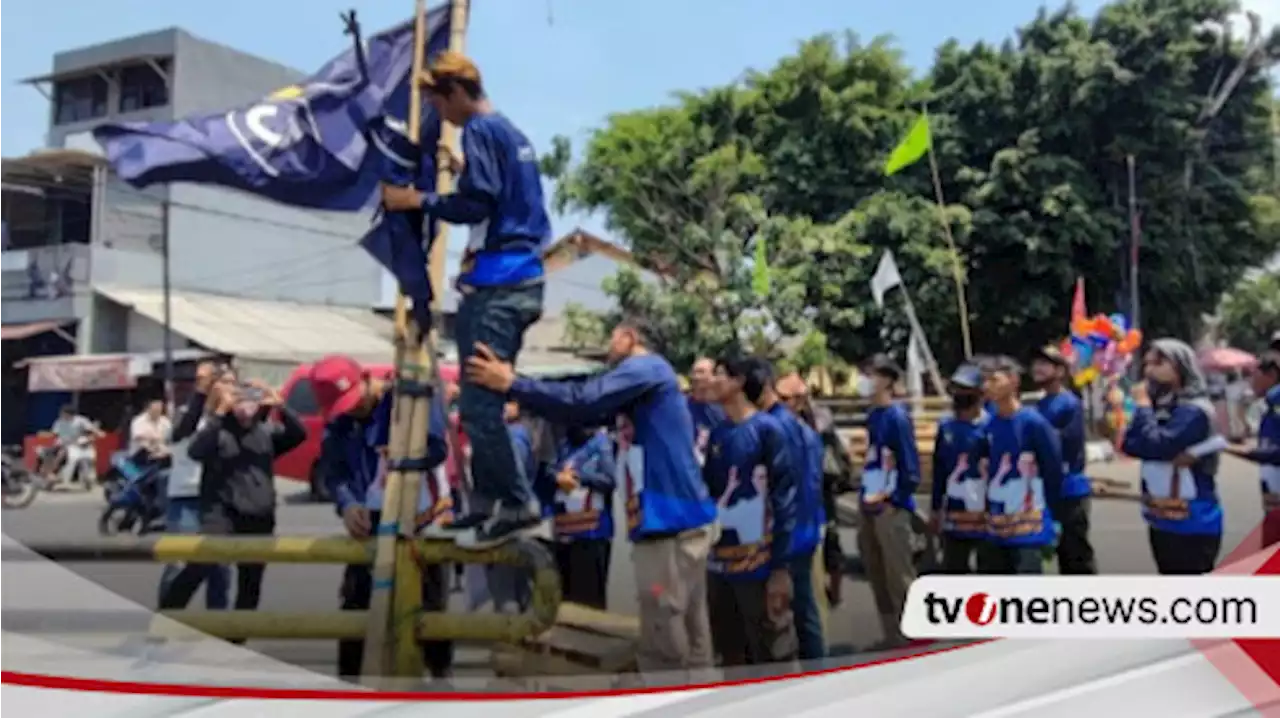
665,491
1024,470
587,512
753,476
805,447
1066,413
893,463
351,453
1183,501
500,195
1267,455
959,488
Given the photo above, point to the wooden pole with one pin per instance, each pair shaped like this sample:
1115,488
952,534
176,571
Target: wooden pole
934,375
956,267
395,575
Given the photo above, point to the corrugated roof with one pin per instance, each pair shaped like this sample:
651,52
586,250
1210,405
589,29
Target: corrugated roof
275,331
259,329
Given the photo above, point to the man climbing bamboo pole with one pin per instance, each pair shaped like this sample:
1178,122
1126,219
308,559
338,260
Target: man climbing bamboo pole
499,195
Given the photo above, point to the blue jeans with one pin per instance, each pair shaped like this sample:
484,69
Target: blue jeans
183,517
497,317
804,604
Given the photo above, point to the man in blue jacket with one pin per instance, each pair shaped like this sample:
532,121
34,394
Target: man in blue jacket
806,450
1064,410
499,195
670,516
357,410
890,476
752,474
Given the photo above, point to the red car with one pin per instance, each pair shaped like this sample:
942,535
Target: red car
301,464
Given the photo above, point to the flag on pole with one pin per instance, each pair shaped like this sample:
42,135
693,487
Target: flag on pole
760,281
915,367
885,278
1078,309
307,145
912,147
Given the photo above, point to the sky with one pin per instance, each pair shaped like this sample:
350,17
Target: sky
553,66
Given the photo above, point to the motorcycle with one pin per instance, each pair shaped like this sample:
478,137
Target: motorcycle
135,494
81,456
20,485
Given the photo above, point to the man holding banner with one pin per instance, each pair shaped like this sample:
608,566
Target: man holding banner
499,195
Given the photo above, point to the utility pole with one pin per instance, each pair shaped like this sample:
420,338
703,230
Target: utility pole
1135,238
168,309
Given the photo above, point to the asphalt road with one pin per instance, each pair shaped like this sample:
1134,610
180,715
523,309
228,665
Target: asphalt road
1119,536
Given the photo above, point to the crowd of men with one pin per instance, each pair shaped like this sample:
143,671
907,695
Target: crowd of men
727,491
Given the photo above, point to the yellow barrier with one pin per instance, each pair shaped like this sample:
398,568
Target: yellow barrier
330,625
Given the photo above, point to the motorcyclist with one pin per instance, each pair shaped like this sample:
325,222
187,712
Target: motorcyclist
149,435
72,453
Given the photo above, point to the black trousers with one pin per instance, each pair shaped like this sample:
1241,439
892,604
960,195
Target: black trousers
958,553
996,560
584,571
1075,553
357,590
222,522
742,631
1184,554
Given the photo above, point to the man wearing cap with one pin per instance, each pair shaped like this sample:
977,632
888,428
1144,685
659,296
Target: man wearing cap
959,501
1063,409
499,195
356,408
889,480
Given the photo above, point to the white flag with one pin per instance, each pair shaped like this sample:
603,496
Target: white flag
886,278
915,367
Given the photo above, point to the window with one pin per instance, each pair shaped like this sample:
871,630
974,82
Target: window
301,399
142,87
83,98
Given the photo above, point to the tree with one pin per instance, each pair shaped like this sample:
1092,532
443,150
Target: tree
1031,138
1251,312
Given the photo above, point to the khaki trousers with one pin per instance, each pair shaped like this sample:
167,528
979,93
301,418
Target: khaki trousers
884,541
671,578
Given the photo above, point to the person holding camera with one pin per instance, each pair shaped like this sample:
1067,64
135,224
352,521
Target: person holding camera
236,449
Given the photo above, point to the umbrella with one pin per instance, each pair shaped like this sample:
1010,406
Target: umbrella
1227,359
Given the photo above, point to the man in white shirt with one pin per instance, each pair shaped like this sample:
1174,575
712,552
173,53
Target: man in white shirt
149,432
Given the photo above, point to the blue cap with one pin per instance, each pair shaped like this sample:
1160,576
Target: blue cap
967,376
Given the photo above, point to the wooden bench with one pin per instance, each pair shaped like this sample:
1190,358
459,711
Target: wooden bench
585,649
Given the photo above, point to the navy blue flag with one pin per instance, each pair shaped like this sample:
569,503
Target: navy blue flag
306,145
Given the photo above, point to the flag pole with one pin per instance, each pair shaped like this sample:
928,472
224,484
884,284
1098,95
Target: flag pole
957,270
934,375
391,646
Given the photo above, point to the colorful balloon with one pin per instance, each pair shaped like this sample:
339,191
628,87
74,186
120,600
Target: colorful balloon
1085,376
1132,342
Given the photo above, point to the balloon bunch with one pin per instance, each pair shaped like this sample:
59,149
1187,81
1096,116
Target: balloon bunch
1100,346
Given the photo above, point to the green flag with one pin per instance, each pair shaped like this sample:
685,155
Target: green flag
911,148
760,270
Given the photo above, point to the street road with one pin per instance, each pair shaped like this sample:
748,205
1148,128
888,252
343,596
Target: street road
1118,533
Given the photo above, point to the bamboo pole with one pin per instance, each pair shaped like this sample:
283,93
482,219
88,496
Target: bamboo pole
956,269
395,574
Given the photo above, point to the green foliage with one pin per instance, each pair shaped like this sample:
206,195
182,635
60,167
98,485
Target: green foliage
1031,139
1251,312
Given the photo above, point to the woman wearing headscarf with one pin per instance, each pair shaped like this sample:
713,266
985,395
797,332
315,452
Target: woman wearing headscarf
1172,433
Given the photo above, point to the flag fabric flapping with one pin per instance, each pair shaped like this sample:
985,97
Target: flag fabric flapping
912,147
401,241
310,145
1078,310
885,278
